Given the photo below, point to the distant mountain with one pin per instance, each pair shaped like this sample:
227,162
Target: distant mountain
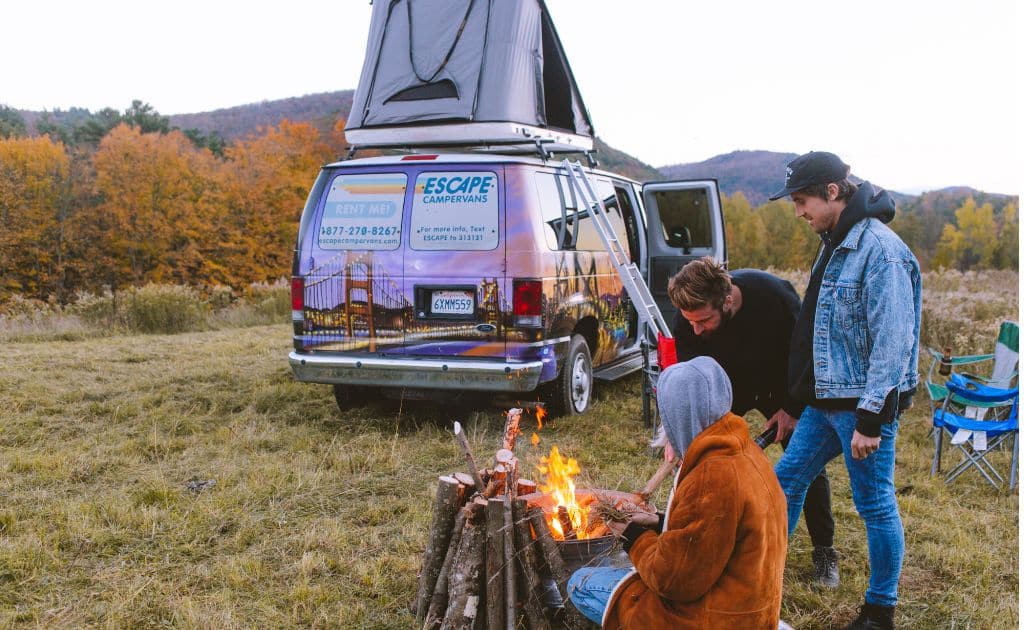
757,174
754,173
232,123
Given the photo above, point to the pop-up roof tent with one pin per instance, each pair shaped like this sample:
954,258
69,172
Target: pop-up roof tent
466,72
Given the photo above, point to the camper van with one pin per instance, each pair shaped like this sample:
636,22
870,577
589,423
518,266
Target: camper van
468,265
449,275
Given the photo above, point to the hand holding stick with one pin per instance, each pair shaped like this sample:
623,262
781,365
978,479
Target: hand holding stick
658,477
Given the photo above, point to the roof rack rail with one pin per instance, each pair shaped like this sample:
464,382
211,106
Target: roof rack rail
487,137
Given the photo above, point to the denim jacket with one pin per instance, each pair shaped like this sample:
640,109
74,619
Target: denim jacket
868,318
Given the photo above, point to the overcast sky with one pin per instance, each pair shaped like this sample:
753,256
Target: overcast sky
913,94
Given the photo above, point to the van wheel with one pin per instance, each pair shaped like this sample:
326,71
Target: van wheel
571,392
348,396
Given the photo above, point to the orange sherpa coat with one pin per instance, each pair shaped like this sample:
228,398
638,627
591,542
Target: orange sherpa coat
719,562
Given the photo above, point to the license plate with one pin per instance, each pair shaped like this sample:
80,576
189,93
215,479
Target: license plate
452,303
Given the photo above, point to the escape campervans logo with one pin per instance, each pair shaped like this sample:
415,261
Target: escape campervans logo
457,189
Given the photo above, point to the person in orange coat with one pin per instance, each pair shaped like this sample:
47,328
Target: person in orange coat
716,560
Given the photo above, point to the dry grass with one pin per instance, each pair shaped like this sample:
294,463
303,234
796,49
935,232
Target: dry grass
318,518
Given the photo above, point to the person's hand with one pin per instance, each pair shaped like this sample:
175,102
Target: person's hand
862,445
784,424
670,453
616,527
645,518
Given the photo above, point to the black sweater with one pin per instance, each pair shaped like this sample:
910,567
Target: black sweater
753,346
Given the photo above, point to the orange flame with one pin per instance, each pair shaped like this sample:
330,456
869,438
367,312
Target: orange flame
560,486
535,439
541,414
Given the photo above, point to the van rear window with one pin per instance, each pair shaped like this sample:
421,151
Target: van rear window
363,212
455,211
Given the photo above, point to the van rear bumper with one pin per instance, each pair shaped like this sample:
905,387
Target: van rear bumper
504,376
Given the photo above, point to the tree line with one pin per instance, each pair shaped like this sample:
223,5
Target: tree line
119,199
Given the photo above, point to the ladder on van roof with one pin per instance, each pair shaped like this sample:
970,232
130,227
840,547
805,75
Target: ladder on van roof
636,288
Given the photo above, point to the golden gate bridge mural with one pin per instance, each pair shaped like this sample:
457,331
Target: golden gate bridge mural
353,303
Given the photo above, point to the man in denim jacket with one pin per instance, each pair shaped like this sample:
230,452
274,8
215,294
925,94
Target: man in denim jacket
853,360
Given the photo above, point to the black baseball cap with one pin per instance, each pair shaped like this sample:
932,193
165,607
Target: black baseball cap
816,167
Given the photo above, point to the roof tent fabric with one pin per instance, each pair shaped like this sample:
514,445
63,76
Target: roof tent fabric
450,61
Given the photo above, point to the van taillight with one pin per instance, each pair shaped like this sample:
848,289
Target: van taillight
298,295
526,302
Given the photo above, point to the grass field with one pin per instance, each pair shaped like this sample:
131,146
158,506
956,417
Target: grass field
318,518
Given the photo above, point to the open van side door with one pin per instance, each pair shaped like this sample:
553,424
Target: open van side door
684,222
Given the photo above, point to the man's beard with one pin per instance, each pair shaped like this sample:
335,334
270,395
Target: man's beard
723,325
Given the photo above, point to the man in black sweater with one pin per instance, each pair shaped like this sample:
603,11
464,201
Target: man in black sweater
744,320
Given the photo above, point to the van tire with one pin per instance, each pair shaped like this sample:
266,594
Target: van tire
349,396
570,394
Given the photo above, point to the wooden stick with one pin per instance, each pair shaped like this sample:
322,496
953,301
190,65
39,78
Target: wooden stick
466,573
529,569
446,503
439,599
494,582
510,567
572,617
511,429
460,437
655,481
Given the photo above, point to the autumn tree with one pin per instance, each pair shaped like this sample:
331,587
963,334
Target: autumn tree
1006,255
263,185
972,242
146,226
33,215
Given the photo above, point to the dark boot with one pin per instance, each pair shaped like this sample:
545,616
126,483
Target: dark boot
826,567
873,617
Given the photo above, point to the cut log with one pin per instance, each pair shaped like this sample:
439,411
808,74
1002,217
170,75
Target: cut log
572,618
568,531
460,437
528,569
494,582
496,483
511,429
439,598
465,578
508,538
525,486
447,502
466,479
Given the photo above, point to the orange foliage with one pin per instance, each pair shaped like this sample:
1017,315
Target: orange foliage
33,214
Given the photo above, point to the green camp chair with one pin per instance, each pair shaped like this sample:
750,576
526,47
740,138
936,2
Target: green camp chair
1004,368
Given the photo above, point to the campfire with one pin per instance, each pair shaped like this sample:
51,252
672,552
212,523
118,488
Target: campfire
497,541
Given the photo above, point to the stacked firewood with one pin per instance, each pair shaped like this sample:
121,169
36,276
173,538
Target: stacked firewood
489,551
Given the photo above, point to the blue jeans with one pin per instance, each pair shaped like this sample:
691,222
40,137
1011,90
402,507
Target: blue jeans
590,588
820,436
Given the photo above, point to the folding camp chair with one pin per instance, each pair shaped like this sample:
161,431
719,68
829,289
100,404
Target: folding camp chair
976,434
1004,365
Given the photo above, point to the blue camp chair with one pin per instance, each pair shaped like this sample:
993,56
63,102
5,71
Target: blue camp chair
978,418
1004,365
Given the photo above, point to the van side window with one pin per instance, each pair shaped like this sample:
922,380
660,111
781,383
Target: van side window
568,225
685,217
551,207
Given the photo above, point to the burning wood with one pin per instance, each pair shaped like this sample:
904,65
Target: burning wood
492,541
